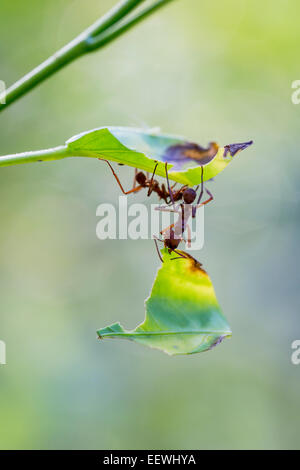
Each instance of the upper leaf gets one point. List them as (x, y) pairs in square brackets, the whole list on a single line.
[(182, 313), (143, 149)]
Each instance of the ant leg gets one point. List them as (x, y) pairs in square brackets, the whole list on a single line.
[(170, 190), (134, 189), (134, 178), (189, 234), (164, 194), (166, 209), (158, 239), (202, 186), (200, 195), (207, 200), (167, 228), (180, 255), (151, 182), (195, 208), (157, 249), (210, 197)]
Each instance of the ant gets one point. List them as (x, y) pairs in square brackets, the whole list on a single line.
[(173, 235), (153, 185)]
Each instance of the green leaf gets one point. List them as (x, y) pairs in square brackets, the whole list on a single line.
[(182, 313), (143, 149)]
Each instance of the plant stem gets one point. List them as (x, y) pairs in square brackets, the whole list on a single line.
[(96, 36), (56, 153), (116, 14), (112, 33), (68, 53)]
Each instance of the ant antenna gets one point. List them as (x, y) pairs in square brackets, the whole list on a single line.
[(151, 182), (202, 186), (181, 256), (201, 193), (134, 189), (169, 189), (157, 249)]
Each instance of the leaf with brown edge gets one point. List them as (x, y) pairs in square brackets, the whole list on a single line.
[(182, 312), (144, 149), (140, 149)]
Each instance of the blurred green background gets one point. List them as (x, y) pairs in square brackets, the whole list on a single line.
[(209, 70)]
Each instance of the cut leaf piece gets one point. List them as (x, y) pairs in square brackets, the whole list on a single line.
[(143, 149), (182, 313), (140, 149)]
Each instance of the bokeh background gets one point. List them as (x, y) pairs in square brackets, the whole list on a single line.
[(209, 70)]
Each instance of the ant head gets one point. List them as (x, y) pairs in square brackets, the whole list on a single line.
[(189, 195), (141, 178), (172, 243)]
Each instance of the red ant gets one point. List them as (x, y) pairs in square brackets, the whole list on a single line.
[(173, 235), (187, 209), (153, 185)]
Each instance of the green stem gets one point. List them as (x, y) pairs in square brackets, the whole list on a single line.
[(56, 153), (116, 14), (96, 36), (112, 33)]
